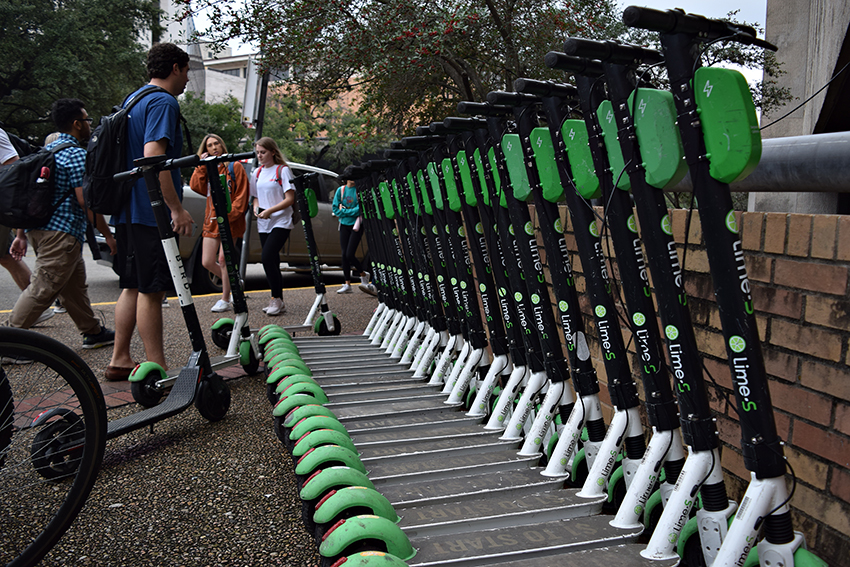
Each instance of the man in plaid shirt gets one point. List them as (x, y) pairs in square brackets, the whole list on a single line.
[(59, 267)]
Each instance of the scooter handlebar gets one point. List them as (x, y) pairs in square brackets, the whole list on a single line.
[(511, 99), (157, 162), (545, 88), (611, 51), (677, 21), (457, 124), (483, 109), (571, 64)]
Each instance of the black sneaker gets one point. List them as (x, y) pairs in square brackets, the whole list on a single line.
[(97, 340)]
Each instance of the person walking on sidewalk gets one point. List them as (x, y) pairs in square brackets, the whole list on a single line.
[(274, 196), (60, 270), (153, 129), (212, 255), (347, 209)]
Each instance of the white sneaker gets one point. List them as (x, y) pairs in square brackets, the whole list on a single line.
[(369, 288), (275, 307), (221, 306), (48, 313), (15, 360), (365, 277), (344, 289)]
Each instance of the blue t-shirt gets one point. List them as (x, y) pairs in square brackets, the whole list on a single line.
[(154, 117)]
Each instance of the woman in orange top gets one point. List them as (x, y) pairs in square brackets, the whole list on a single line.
[(212, 256)]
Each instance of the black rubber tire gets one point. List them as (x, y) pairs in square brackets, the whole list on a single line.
[(323, 328), (213, 398), (693, 557), (221, 336), (58, 447), (145, 391), (56, 381)]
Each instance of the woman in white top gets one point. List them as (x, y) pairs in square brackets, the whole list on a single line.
[(273, 199)]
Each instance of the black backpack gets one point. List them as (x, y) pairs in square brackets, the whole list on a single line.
[(27, 187), (107, 155)]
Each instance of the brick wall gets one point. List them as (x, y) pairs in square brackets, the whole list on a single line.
[(799, 266)]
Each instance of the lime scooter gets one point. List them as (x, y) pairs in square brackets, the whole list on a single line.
[(148, 381), (197, 381), (720, 137)]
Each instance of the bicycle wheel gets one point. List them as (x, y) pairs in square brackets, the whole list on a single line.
[(52, 439)]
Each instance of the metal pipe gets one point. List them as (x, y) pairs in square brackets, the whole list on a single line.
[(819, 163)]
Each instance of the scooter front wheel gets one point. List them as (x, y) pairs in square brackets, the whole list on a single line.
[(220, 332), (213, 398), (321, 328)]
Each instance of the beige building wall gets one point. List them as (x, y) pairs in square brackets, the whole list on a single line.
[(810, 35)]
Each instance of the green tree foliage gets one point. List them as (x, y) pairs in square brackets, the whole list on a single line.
[(328, 132), (412, 60), (222, 118), (86, 49)]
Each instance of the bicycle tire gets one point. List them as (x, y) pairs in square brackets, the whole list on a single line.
[(37, 399)]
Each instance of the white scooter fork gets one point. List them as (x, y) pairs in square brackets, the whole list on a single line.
[(498, 419), (441, 370), (763, 496), (559, 394), (701, 466), (396, 347), (376, 316), (381, 328), (485, 389), (413, 343), (625, 423), (535, 384), (425, 356), (465, 376), (662, 446), (459, 362), (587, 409), (392, 329)]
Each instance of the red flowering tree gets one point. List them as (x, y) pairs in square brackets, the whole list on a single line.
[(411, 61)]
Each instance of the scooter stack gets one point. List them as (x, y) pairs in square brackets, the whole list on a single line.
[(464, 427)]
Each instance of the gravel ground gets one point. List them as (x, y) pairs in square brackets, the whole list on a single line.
[(195, 493)]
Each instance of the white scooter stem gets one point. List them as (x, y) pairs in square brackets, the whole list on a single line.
[(498, 419), (513, 430), (625, 423), (485, 390), (467, 372)]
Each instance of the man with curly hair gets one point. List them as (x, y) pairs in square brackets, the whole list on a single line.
[(153, 129)]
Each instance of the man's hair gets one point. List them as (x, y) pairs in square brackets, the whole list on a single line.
[(65, 111), (162, 57)]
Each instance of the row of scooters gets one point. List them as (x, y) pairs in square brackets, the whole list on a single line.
[(448, 433)]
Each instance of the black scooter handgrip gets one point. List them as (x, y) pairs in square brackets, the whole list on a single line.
[(240, 157), (457, 124), (611, 51), (379, 164), (125, 176), (438, 128), (423, 130), (570, 64), (511, 99), (399, 154), (420, 141), (483, 109), (182, 162), (677, 21), (544, 88)]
